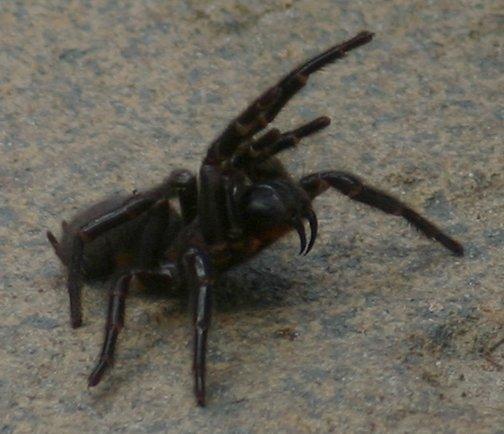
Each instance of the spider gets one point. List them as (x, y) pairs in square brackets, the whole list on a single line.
[(243, 201)]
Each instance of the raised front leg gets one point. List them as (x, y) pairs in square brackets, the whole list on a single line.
[(355, 189), (200, 278), (273, 142), (265, 108)]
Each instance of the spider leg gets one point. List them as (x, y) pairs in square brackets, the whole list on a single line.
[(161, 228), (115, 315), (355, 189), (219, 204), (185, 183), (209, 204), (74, 282), (200, 278), (55, 245), (151, 242), (87, 233), (234, 187), (272, 143), (265, 108)]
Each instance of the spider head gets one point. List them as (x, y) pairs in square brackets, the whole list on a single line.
[(279, 203)]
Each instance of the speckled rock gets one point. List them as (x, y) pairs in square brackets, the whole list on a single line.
[(377, 330)]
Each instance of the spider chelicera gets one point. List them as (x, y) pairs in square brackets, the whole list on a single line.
[(243, 201)]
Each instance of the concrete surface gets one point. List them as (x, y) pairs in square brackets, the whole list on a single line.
[(377, 330)]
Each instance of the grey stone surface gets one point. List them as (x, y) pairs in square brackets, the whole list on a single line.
[(378, 330)]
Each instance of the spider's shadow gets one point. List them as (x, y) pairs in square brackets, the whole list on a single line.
[(251, 288), (245, 288)]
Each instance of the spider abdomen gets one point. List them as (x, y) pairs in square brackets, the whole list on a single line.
[(138, 242)]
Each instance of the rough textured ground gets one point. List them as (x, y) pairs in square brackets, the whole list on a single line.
[(377, 330)]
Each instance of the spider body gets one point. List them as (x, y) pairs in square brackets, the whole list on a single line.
[(242, 201)]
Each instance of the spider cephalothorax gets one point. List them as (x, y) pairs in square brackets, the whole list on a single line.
[(243, 201)]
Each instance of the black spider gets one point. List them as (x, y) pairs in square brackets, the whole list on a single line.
[(245, 200)]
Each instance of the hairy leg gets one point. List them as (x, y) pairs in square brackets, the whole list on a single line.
[(355, 189), (265, 108)]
